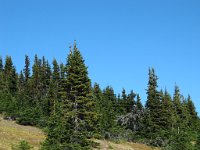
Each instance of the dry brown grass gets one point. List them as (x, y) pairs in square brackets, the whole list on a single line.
[(107, 145), (12, 133)]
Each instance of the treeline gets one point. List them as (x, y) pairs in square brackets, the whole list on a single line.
[(60, 99)]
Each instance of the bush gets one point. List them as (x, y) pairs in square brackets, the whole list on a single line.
[(23, 145)]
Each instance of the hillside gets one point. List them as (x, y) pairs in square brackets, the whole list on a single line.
[(11, 133), (63, 95), (107, 145)]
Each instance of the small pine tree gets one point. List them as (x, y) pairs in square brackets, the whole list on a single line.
[(23, 145), (138, 102), (130, 102)]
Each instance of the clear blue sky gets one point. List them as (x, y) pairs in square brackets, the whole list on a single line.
[(119, 39)]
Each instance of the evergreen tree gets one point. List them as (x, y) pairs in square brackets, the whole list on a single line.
[(123, 102), (98, 98), (25, 93), (178, 108), (97, 93), (35, 80), (153, 105), (78, 116), (52, 98), (138, 102), (2, 80), (62, 71), (10, 76), (56, 71), (192, 111), (54, 87), (1, 64), (130, 102), (124, 96), (167, 117), (21, 83), (21, 89), (27, 68), (45, 75)]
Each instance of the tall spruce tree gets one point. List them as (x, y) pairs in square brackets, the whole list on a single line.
[(78, 112), (27, 68), (177, 108), (52, 94), (2, 81), (10, 76), (153, 105), (35, 80), (1, 64), (98, 98)]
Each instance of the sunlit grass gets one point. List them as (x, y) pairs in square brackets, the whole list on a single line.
[(108, 145), (12, 133)]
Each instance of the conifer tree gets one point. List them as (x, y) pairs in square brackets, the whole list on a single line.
[(1, 64), (177, 108), (98, 98), (10, 76), (35, 81), (78, 105), (21, 82), (138, 102), (109, 109), (2, 81), (130, 102), (167, 117), (153, 105), (122, 103), (62, 71), (25, 94), (124, 96), (191, 110), (27, 68), (45, 75), (21, 97), (56, 71), (52, 99)]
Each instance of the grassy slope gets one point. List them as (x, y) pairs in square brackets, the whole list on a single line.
[(107, 145), (11, 133)]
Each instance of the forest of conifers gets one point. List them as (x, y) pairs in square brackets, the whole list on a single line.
[(60, 99)]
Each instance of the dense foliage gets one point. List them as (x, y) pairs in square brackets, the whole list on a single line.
[(61, 99)]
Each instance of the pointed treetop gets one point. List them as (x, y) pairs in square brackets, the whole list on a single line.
[(1, 64), (75, 45), (70, 49)]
